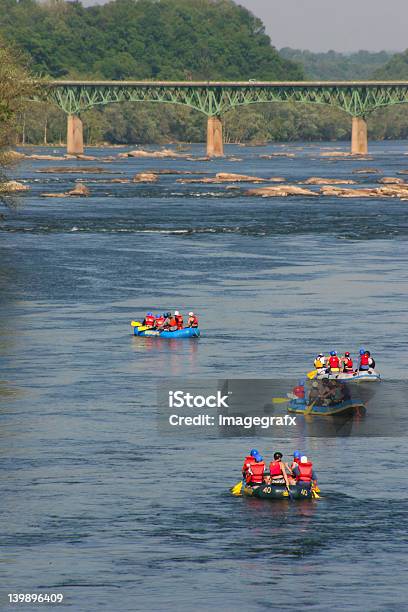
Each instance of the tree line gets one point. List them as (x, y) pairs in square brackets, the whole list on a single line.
[(179, 39)]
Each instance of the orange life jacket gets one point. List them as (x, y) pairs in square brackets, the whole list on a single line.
[(179, 321), (305, 472), (255, 473), (172, 322), (248, 461), (275, 469)]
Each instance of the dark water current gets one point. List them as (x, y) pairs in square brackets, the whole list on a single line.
[(94, 502)]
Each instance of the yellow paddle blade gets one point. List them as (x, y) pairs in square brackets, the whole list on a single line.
[(316, 488), (135, 324), (280, 400), (311, 374), (315, 495), (143, 327), (236, 489)]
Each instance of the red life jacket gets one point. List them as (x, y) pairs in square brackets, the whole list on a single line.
[(275, 468), (149, 320), (364, 360), (193, 321), (255, 473), (334, 362), (299, 391), (172, 323), (248, 461), (305, 472), (348, 363), (160, 321), (179, 321)]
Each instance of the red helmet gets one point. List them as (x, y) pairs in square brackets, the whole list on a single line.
[(347, 354)]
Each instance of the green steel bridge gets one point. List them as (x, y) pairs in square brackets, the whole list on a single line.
[(213, 99)]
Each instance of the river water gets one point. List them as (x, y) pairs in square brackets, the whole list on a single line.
[(99, 505)]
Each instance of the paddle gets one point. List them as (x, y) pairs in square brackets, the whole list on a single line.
[(236, 490), (280, 400), (135, 324), (310, 407), (312, 374), (315, 492)]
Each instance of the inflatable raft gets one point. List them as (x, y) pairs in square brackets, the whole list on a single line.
[(188, 332), (272, 492), (300, 406), (355, 377)]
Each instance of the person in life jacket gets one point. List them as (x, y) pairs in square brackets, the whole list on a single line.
[(179, 319), (299, 390), (304, 473), (320, 361), (192, 320), (255, 472), (149, 320), (277, 470), (249, 460), (371, 360), (170, 323), (364, 364), (334, 362), (160, 319), (347, 363)]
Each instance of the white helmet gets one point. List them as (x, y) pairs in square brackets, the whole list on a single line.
[(191, 314), (303, 459), (176, 312)]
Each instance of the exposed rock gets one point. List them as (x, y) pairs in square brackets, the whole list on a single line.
[(403, 172), (83, 157), (391, 180), (394, 191), (367, 171), (79, 190), (237, 178), (47, 157), (145, 177), (119, 180), (349, 193), (314, 180), (77, 170), (227, 177), (13, 156), (280, 191), (12, 187), (160, 154)]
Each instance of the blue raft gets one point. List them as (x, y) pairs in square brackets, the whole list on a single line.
[(299, 406), (187, 332)]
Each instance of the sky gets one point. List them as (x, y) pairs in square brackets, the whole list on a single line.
[(321, 25), (342, 25)]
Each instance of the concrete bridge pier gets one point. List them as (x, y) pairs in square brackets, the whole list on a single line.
[(215, 145), (75, 135), (359, 141)]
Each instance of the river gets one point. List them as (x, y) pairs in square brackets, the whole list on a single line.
[(97, 503)]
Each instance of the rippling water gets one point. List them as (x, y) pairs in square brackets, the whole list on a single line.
[(95, 503)]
